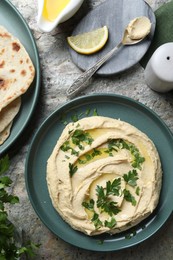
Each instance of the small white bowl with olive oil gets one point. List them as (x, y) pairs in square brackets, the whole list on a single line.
[(53, 12)]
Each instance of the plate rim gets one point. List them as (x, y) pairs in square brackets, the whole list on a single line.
[(37, 77), (36, 135)]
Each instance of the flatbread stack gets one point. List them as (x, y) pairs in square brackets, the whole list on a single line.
[(16, 75)]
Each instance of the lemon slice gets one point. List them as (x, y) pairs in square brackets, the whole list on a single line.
[(89, 42)]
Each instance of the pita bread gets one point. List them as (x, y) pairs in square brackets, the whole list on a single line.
[(16, 68), (5, 133), (8, 113)]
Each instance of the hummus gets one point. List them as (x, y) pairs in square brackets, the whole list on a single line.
[(137, 29), (104, 175)]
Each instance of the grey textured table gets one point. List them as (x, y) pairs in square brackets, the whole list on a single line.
[(58, 73)]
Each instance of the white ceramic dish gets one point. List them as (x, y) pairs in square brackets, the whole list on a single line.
[(47, 26)]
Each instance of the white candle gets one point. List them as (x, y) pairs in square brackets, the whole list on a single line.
[(159, 70)]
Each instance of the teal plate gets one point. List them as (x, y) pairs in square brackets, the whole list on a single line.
[(13, 21), (44, 141)]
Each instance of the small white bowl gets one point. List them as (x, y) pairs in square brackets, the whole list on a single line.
[(47, 26)]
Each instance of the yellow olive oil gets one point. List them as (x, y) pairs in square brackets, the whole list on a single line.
[(52, 8)]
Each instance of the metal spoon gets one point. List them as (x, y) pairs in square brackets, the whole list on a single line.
[(132, 35)]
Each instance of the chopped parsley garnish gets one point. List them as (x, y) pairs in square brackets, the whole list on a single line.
[(81, 136), (95, 112), (89, 156), (108, 206), (77, 116), (110, 224), (63, 119), (66, 147), (138, 161), (130, 235), (129, 197), (111, 147), (115, 144), (74, 118), (72, 169), (77, 138), (113, 188), (137, 191), (88, 112), (131, 178), (88, 205), (96, 221), (104, 202), (96, 152), (100, 242)]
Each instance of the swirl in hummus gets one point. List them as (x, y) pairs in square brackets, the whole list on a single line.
[(104, 175)]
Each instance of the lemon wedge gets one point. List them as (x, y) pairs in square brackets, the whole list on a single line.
[(89, 42)]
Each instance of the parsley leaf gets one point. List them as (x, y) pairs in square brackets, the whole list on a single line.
[(100, 242), (87, 112), (114, 187), (137, 191), (81, 136), (130, 235), (74, 118), (104, 202), (4, 164), (110, 224), (89, 156), (88, 205), (72, 169), (131, 178), (129, 197), (115, 144), (66, 147), (63, 119), (96, 152), (9, 248), (138, 161), (95, 113), (96, 221)]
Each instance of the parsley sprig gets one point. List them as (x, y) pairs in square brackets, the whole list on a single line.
[(104, 202), (131, 177), (89, 205), (77, 116), (66, 147), (72, 169), (115, 144), (96, 221), (79, 136), (110, 224), (89, 156), (129, 197), (8, 245), (113, 188)]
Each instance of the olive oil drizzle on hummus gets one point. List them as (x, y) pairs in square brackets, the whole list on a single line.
[(113, 145), (104, 175), (104, 202)]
